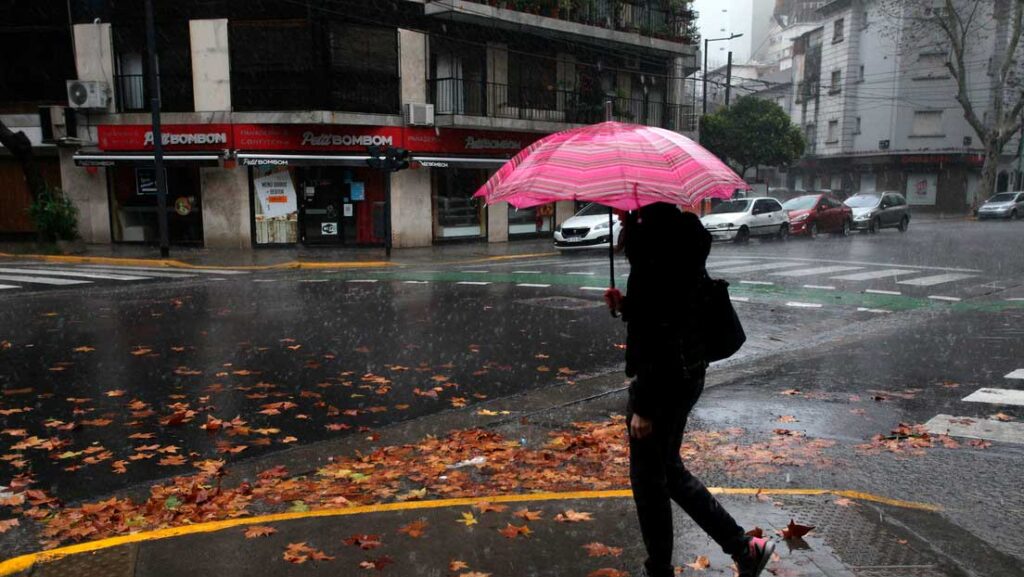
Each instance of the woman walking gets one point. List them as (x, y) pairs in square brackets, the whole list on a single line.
[(667, 250)]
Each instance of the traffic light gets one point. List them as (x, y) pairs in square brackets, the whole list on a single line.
[(389, 158), (376, 159), (399, 158)]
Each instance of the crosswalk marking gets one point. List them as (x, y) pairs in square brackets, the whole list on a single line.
[(985, 429), (801, 305), (820, 287), (582, 273), (417, 282), (867, 310), (759, 267), (875, 274), (526, 272), (530, 285), (936, 279), (816, 271), (164, 268), (362, 280), (757, 282), (944, 298), (997, 397), (882, 292), (594, 288), (148, 273), (73, 274), (473, 283), (1018, 374), (41, 280), (8, 286), (720, 264)]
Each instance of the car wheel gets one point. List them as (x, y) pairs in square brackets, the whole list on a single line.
[(1013, 214), (873, 226), (904, 224), (844, 230), (784, 232), (743, 235), (812, 230)]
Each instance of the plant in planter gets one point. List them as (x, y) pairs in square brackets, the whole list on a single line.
[(54, 216)]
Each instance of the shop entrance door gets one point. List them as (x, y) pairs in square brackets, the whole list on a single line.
[(321, 215)]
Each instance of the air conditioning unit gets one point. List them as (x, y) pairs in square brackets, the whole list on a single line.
[(419, 114), (883, 145), (88, 94)]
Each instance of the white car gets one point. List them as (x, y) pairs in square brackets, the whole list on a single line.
[(588, 228), (1003, 205), (741, 219)]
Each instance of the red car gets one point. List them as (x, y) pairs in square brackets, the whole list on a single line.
[(812, 214)]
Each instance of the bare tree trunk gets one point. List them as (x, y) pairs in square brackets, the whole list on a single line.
[(21, 147), (989, 171)]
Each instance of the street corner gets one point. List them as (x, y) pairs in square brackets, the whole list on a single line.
[(592, 534)]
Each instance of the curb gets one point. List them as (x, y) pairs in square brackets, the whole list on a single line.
[(171, 263)]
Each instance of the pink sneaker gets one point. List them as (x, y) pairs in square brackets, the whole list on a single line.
[(752, 561)]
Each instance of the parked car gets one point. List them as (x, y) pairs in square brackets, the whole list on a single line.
[(588, 228), (814, 213), (741, 219), (1003, 205), (873, 211)]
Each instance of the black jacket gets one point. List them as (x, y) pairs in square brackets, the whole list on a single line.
[(667, 251)]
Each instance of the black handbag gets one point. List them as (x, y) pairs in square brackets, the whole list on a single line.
[(722, 331)]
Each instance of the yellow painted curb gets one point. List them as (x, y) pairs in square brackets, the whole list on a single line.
[(504, 257), (26, 562), (170, 263)]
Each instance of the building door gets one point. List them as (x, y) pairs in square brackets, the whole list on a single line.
[(321, 214)]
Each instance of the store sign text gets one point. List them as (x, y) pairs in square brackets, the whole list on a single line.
[(473, 143), (264, 162), (188, 139), (313, 139)]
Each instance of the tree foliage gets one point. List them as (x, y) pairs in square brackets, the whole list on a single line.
[(753, 132)]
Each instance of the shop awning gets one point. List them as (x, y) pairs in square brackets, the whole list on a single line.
[(274, 159), (459, 161), (100, 158)]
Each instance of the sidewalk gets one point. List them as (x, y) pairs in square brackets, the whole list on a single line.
[(291, 257)]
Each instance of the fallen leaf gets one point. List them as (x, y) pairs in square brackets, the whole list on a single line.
[(379, 563), (701, 563), (794, 531), (138, 352), (7, 524), (602, 550), (364, 542), (790, 392), (119, 467), (844, 502), (172, 461), (468, 519), (487, 507), (1002, 417), (84, 349), (527, 515), (787, 419), (259, 531), (512, 531), (414, 529), (457, 565), (571, 516), (607, 572)]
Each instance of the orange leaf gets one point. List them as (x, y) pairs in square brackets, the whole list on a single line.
[(7, 524), (119, 467), (486, 507), (700, 563), (414, 529), (602, 550), (787, 419), (365, 542), (527, 515), (844, 502), (511, 531), (259, 531), (571, 516), (171, 461), (475, 574), (457, 565), (379, 563), (794, 531), (607, 572)]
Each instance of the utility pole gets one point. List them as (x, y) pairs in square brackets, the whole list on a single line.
[(388, 160), (704, 108), (158, 143), (728, 79)]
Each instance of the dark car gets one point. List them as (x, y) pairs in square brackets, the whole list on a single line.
[(873, 211), (815, 213)]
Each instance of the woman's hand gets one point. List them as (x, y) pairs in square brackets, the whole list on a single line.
[(640, 427), (613, 298)]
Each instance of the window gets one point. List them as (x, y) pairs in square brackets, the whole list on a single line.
[(837, 82), (833, 131), (927, 123), (532, 80), (856, 129), (931, 65), (837, 31), (860, 73)]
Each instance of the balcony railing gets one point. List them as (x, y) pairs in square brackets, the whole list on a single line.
[(646, 17), (456, 96), (133, 93)]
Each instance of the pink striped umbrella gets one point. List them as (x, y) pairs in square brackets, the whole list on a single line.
[(624, 166)]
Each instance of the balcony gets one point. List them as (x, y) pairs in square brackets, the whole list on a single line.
[(455, 97), (639, 23), (132, 91)]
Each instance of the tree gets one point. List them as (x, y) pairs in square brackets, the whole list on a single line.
[(982, 39), (21, 148), (752, 132)]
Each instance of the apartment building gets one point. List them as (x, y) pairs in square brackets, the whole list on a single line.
[(269, 107)]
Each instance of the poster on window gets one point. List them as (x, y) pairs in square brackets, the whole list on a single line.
[(921, 188), (276, 194)]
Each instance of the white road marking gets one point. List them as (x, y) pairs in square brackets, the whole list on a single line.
[(8, 286), (577, 273), (801, 305), (1018, 374), (817, 270), (164, 268), (526, 272), (41, 280), (943, 298), (1015, 299), (875, 274), (148, 273), (416, 282), (985, 429), (825, 260), (529, 285), (265, 280), (820, 287), (757, 282), (52, 272), (997, 397), (759, 267), (594, 288), (303, 280), (882, 292), (936, 279), (473, 282), (739, 299), (720, 264), (362, 280), (475, 271), (867, 310)]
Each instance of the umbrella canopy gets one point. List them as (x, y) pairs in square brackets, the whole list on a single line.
[(624, 166)]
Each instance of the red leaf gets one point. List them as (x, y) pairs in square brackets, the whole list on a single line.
[(794, 531)]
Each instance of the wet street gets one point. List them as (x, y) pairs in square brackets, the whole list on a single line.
[(116, 377)]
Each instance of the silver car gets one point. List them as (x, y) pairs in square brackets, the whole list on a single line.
[(1003, 205), (873, 211)]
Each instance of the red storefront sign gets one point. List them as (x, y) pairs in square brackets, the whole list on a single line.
[(176, 137), (468, 142), (322, 137)]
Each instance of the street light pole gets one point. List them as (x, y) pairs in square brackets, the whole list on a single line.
[(728, 80), (158, 143), (704, 108)]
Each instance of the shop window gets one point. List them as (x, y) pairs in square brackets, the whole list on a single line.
[(275, 206), (457, 215), (531, 221), (133, 205)]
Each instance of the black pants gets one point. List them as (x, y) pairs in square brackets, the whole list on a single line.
[(657, 474)]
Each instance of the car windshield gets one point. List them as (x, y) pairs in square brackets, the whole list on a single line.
[(732, 206), (862, 201), (800, 202), (1003, 197), (593, 209)]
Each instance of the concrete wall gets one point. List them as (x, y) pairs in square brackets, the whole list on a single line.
[(94, 56), (497, 222), (226, 208), (211, 65), (87, 189), (411, 222), (413, 51)]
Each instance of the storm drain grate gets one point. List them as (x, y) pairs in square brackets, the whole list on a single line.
[(112, 562)]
